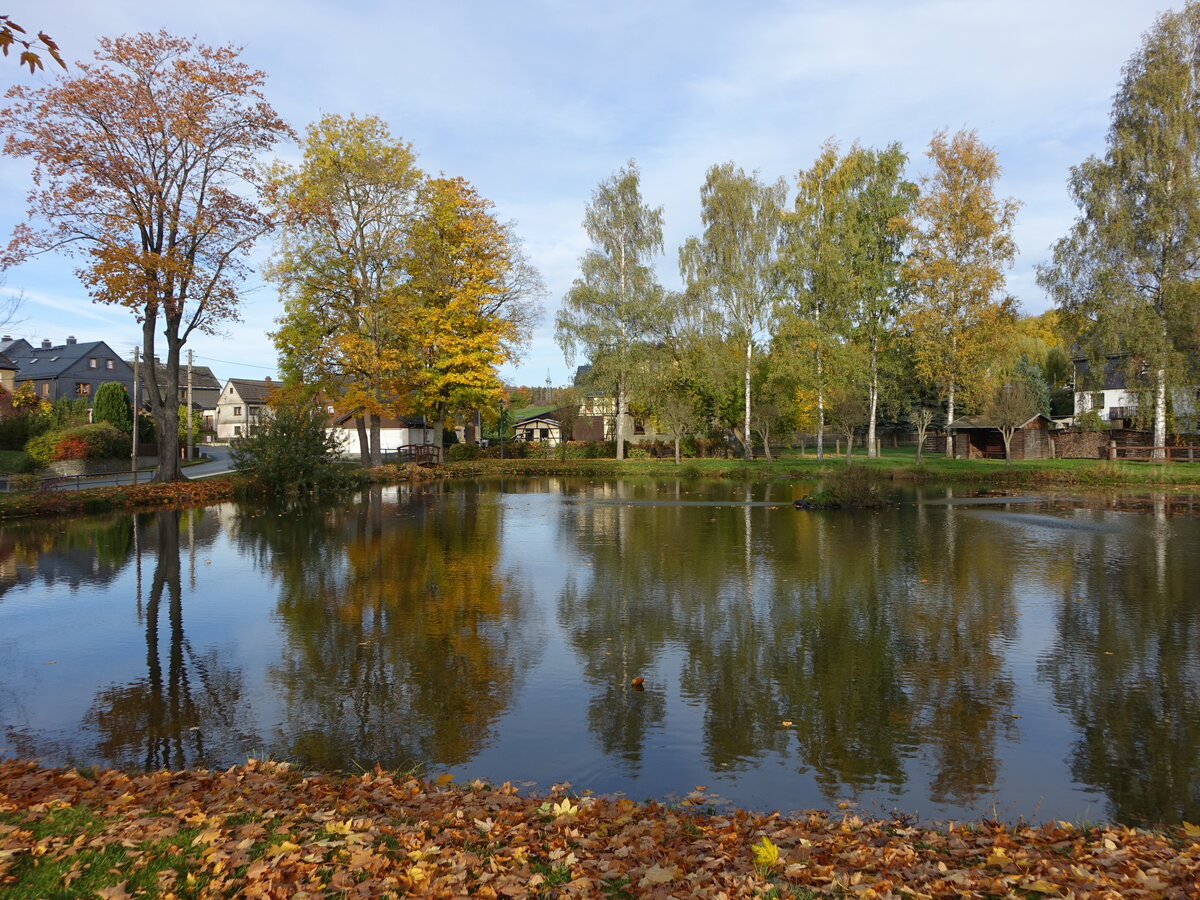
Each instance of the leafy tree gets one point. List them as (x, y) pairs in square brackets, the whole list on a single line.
[(141, 167), (347, 215), (1126, 275), (112, 405), (816, 269), (69, 412), (472, 299), (962, 242), (615, 305), (729, 269), (292, 453), (884, 201), (841, 259), (1010, 407), (195, 422)]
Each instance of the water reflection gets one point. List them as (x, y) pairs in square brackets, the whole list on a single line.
[(402, 642), (1126, 669), (942, 656)]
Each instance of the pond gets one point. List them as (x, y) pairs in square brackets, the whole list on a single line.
[(951, 658)]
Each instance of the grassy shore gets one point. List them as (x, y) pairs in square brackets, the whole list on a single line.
[(267, 830), (892, 465), (1063, 473)]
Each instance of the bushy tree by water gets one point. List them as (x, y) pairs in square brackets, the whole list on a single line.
[(112, 405), (292, 454)]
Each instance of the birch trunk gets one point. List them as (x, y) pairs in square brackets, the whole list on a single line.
[(747, 445)]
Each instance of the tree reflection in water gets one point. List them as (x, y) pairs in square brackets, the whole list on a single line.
[(1126, 669), (173, 716), (844, 640), (403, 643)]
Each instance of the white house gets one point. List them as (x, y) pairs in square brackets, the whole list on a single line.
[(394, 433), (241, 407)]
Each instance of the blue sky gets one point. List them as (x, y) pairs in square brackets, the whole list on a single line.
[(536, 102)]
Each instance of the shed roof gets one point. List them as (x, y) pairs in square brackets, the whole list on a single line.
[(966, 423)]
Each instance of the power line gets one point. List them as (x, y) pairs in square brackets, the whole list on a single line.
[(231, 363)]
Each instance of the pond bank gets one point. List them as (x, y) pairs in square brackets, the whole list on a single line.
[(268, 830)]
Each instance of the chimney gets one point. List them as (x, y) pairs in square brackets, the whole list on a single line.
[(268, 380), (7, 337), (45, 344), (70, 339)]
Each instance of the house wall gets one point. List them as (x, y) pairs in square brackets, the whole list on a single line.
[(389, 438), (235, 418)]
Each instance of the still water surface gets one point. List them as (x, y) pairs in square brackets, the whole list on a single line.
[(950, 658)]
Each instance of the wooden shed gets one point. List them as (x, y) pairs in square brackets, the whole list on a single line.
[(976, 438)]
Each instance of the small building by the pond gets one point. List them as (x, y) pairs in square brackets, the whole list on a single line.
[(977, 438)]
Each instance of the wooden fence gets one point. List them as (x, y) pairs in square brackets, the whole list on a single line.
[(1154, 454)]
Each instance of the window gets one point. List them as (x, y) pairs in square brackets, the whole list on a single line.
[(544, 433), (639, 427), (45, 389), (108, 364), (251, 412), (237, 430), (92, 363), (237, 410), (83, 389)]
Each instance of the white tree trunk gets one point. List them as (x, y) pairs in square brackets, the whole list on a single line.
[(949, 419), (748, 441), (1160, 414), (619, 426), (872, 452)]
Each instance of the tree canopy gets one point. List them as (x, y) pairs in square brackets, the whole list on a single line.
[(145, 168)]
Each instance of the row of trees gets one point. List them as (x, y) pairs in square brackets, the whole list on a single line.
[(402, 292), (868, 289), (793, 316)]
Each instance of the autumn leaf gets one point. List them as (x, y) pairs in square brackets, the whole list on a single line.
[(657, 874), (766, 854)]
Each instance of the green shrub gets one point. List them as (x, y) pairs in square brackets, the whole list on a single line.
[(461, 452), (112, 405), (98, 441), (70, 412), (291, 454), (14, 462)]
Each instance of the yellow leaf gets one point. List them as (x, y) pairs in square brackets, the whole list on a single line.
[(1042, 887), (1191, 830), (282, 848), (657, 874), (998, 857), (765, 852), (444, 779)]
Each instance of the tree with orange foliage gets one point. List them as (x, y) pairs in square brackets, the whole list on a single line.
[(143, 163)]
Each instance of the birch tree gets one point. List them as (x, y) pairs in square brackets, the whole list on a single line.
[(962, 242), (615, 303), (1126, 275), (729, 268), (146, 168)]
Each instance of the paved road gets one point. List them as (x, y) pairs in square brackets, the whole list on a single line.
[(219, 462)]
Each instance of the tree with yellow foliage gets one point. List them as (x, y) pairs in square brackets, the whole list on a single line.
[(472, 300), (961, 243), (347, 213)]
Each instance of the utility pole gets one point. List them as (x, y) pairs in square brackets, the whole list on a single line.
[(134, 454), (191, 443)]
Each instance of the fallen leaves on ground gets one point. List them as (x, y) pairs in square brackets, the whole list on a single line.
[(266, 830)]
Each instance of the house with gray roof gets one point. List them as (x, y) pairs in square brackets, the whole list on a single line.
[(241, 406), (71, 369)]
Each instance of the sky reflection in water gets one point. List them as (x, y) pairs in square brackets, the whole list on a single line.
[(948, 659)]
